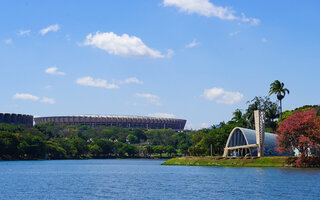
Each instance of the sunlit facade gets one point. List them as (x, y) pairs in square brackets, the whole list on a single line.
[(117, 121)]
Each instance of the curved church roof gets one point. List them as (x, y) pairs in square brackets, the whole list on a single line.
[(243, 136)]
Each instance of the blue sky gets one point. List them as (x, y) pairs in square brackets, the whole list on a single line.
[(192, 59)]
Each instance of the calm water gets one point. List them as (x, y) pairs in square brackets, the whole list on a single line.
[(147, 179)]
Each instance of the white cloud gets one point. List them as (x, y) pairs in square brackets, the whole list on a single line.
[(204, 125), (219, 95), (264, 40), (47, 87), (208, 9), (234, 33), (89, 81), (131, 80), (202, 7), (192, 44), (250, 20), (47, 100), (196, 125), (8, 41), (53, 28), (124, 45), (162, 115), (54, 71), (24, 32), (154, 99), (25, 96), (170, 53)]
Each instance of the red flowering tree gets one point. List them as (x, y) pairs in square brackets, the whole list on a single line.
[(300, 131)]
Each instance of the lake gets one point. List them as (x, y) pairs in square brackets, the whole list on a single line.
[(148, 179)]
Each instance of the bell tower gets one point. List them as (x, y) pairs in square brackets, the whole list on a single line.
[(259, 121)]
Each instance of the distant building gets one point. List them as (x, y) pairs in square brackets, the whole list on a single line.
[(16, 119), (117, 121)]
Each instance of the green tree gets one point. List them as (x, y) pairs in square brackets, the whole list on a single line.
[(11, 128), (278, 89), (33, 146), (67, 144), (170, 150), (95, 149), (118, 148), (131, 150), (50, 129), (55, 150), (158, 149), (197, 150), (149, 149), (81, 145), (132, 139), (160, 136), (140, 134), (105, 145), (239, 118), (262, 103), (8, 143)]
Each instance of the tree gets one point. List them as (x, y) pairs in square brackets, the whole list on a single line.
[(140, 134), (81, 145), (95, 149), (300, 131), (287, 113), (67, 144), (277, 88), (149, 149), (158, 149), (50, 129), (132, 139), (197, 150), (55, 150), (11, 128), (119, 149), (105, 145), (262, 103), (8, 143), (170, 150), (239, 117), (33, 146), (131, 150)]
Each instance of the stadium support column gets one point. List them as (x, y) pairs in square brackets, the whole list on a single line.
[(259, 120)]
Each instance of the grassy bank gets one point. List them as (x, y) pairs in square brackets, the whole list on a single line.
[(230, 162)]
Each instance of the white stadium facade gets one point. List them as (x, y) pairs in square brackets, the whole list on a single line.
[(116, 121)]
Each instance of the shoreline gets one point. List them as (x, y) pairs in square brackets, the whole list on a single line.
[(94, 158), (231, 162)]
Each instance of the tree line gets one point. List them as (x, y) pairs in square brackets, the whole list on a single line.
[(52, 141)]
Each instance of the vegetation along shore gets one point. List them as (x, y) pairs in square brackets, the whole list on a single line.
[(280, 161), (53, 141)]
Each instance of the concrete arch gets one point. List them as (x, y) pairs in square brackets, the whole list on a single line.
[(249, 145)]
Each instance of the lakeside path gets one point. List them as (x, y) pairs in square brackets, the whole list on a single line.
[(230, 162)]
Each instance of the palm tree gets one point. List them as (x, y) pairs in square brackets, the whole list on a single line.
[(238, 116), (277, 88)]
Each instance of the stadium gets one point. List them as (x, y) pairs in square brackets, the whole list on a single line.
[(16, 119), (117, 121)]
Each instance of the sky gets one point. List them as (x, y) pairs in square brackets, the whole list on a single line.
[(197, 60)]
